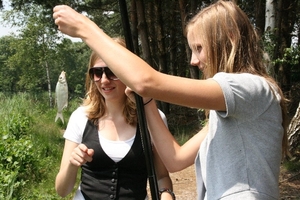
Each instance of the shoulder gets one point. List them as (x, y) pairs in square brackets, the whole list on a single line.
[(238, 77), (76, 125), (242, 83), (245, 93), (80, 113)]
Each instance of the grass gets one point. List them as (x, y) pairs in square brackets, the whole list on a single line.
[(28, 119), (292, 165)]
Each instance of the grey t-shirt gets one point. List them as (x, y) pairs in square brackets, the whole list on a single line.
[(240, 156)]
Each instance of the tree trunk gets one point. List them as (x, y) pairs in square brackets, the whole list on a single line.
[(49, 85), (172, 42), (159, 35), (269, 30), (270, 16), (260, 16), (150, 16), (194, 73), (277, 41), (134, 25), (160, 42), (287, 27), (294, 132), (143, 33)]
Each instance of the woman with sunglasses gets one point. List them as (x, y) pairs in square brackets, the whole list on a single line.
[(103, 138)]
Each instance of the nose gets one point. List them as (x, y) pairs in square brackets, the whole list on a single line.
[(194, 60), (104, 78)]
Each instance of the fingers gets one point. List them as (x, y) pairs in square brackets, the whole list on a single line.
[(90, 152), (130, 94), (56, 10), (70, 22), (56, 15), (64, 17), (58, 7), (81, 154)]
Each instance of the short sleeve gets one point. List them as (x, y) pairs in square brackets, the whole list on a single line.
[(245, 94), (76, 125), (163, 117)]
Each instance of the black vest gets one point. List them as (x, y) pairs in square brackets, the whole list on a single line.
[(105, 179)]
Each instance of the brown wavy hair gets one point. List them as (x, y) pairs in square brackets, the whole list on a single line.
[(232, 45), (95, 102)]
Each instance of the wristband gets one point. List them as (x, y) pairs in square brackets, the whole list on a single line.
[(168, 191), (148, 101)]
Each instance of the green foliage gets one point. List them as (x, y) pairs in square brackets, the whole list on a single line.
[(23, 68), (30, 148), (16, 149), (292, 166), (291, 57), (184, 123), (26, 58)]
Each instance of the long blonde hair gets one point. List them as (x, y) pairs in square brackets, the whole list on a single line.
[(95, 102), (233, 46)]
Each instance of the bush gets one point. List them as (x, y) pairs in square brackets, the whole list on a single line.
[(17, 156), (30, 149)]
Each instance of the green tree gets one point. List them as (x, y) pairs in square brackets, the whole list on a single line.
[(39, 54), (8, 75), (72, 58), (33, 48)]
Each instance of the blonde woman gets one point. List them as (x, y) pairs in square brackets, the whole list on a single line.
[(103, 139)]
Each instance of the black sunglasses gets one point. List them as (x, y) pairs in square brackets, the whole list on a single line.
[(97, 72)]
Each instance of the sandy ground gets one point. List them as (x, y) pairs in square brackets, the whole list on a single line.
[(184, 184)]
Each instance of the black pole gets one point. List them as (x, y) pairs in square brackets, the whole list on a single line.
[(146, 141)]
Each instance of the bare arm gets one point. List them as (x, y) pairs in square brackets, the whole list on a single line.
[(174, 156), (74, 156), (163, 178), (136, 73)]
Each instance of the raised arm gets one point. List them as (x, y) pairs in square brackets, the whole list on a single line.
[(136, 73)]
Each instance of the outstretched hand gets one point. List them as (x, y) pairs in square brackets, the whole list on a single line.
[(69, 21), (81, 154)]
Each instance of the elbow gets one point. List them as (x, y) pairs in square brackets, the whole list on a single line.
[(61, 193), (175, 168), (63, 190), (172, 169), (141, 90), (143, 86)]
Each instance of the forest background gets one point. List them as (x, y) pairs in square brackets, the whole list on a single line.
[(32, 58)]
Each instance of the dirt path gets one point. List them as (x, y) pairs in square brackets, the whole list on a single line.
[(184, 184)]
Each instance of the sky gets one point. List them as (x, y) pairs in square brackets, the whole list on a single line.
[(7, 30)]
